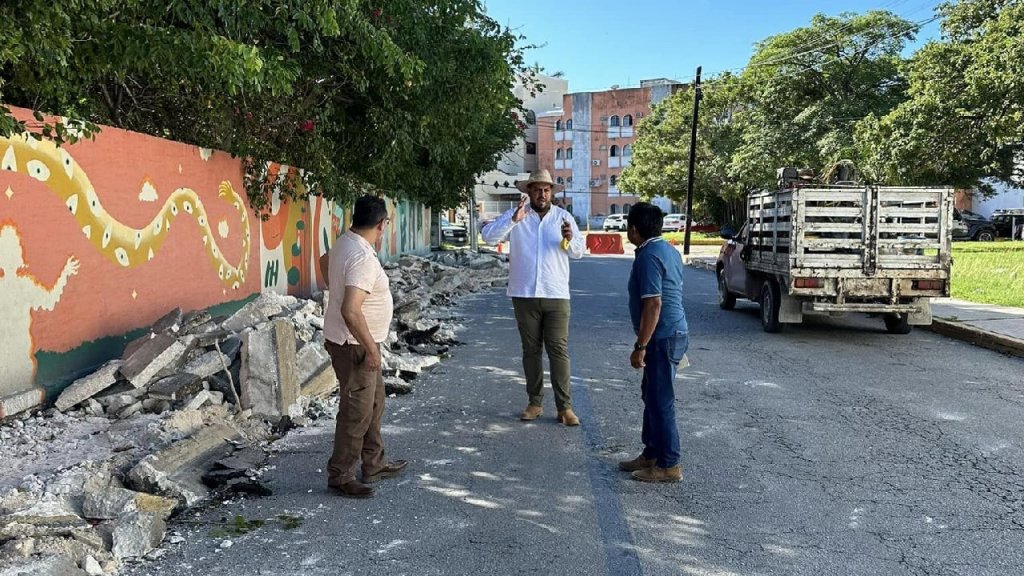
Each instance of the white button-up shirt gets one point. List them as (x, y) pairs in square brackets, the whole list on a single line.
[(538, 266)]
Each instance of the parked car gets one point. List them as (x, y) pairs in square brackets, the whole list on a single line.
[(1003, 221), (614, 222), (673, 223), (453, 233), (970, 226)]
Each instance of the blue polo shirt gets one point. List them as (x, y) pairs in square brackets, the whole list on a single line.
[(658, 271)]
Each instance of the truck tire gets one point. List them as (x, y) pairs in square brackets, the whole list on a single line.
[(985, 236), (770, 301), (726, 300), (897, 324)]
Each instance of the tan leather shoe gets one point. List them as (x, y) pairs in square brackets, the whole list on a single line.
[(390, 470), (353, 489), (568, 417), (638, 463), (531, 413), (655, 474)]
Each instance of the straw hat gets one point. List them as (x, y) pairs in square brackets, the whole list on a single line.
[(538, 177)]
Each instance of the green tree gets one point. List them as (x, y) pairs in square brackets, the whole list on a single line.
[(412, 97), (660, 163), (964, 119), (804, 91)]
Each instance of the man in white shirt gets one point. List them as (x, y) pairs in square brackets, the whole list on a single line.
[(543, 238), (356, 320)]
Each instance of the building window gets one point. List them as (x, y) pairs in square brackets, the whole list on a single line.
[(625, 208), (558, 125), (614, 180), (568, 124), (558, 154), (614, 208), (627, 120), (569, 180), (568, 153), (568, 208), (613, 121), (531, 117), (627, 150), (560, 180), (614, 151), (531, 147)]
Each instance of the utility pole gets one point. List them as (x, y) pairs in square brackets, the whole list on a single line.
[(693, 161)]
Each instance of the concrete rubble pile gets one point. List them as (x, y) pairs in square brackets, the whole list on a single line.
[(189, 408)]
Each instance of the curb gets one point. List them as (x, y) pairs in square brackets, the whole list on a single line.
[(977, 336), (957, 330)]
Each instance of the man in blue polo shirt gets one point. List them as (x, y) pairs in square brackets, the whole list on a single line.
[(656, 309)]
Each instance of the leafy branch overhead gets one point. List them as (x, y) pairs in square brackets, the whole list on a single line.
[(408, 96)]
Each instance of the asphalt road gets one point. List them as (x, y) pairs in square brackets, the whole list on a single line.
[(831, 448)]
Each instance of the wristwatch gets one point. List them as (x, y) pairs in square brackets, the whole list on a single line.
[(638, 346)]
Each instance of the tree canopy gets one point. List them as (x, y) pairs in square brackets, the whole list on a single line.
[(408, 96), (840, 89)]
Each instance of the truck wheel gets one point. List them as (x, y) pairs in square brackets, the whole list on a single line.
[(726, 301), (897, 324), (984, 236), (770, 300)]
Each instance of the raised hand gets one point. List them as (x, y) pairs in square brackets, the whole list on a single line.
[(520, 212)]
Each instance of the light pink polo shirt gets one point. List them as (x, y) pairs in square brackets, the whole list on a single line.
[(353, 262)]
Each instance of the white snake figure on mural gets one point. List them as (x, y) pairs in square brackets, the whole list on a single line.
[(123, 245)]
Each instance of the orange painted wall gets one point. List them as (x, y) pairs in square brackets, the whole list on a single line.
[(135, 226)]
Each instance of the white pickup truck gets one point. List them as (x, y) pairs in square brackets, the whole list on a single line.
[(838, 249)]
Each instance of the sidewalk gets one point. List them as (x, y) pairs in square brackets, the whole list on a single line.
[(998, 328)]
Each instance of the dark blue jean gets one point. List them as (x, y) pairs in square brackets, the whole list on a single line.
[(660, 434)]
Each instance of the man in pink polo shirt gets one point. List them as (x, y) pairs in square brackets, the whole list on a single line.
[(357, 319)]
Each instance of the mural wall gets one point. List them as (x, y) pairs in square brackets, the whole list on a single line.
[(100, 239)]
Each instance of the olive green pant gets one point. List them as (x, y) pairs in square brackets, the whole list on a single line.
[(544, 323)]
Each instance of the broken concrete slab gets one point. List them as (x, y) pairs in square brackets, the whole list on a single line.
[(193, 319), (175, 470), (87, 387), (314, 371), (177, 387), (108, 503), (43, 566), (198, 401), (136, 533), (154, 355), (170, 323), (207, 364), (258, 311), (268, 381)]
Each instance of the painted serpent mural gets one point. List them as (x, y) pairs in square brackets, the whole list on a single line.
[(124, 245)]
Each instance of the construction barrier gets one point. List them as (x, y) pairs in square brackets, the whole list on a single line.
[(604, 243)]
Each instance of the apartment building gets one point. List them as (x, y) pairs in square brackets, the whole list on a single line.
[(588, 142), (495, 191)]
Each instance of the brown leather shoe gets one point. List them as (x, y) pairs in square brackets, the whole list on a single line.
[(353, 489), (655, 474), (390, 470), (531, 413), (568, 417), (638, 463)]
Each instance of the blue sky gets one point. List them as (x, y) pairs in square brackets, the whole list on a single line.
[(598, 43)]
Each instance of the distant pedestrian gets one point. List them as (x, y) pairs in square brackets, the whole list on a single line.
[(356, 320), (543, 237), (656, 309)]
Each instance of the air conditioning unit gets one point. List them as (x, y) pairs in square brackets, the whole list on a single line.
[(639, 114), (595, 162), (595, 183), (604, 118)]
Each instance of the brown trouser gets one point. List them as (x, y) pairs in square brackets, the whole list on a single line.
[(360, 409), (544, 323)]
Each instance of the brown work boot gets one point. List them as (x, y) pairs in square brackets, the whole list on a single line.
[(568, 417), (638, 463), (655, 474), (390, 470), (531, 413), (353, 489)]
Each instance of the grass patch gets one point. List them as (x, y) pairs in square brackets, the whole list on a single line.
[(696, 238), (989, 272)]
